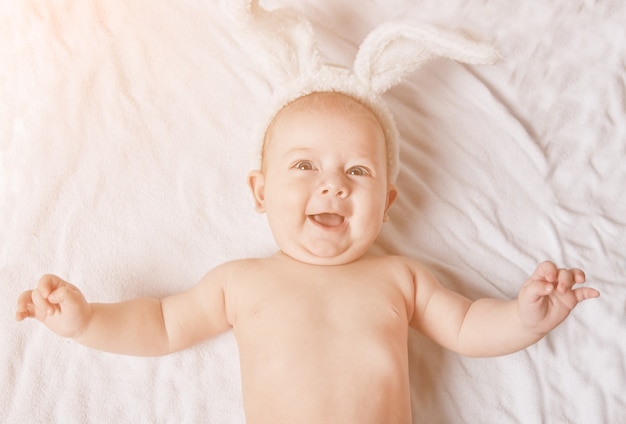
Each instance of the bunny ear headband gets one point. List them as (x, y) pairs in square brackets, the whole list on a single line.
[(283, 43)]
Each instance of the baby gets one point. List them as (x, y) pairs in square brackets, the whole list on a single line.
[(321, 325)]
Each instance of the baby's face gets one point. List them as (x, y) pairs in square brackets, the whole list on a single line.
[(324, 181)]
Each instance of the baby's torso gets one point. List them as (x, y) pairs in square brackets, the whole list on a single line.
[(323, 344)]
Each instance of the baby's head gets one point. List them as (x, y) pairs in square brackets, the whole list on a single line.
[(343, 103), (325, 180), (370, 106)]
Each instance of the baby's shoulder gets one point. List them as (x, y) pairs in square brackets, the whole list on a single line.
[(404, 270), (238, 267), (396, 262), (247, 269)]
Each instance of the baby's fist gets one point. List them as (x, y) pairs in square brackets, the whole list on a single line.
[(57, 304)]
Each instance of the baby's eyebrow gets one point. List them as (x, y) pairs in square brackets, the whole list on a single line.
[(297, 151)]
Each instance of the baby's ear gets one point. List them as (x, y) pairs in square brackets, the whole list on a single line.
[(256, 182), (392, 194)]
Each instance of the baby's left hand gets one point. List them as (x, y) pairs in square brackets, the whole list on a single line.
[(548, 296)]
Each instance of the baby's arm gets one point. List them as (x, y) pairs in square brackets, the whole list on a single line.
[(491, 327), (144, 326)]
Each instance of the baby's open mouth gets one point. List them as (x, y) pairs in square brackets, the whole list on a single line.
[(327, 219)]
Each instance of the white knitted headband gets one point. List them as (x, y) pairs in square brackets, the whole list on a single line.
[(282, 42)]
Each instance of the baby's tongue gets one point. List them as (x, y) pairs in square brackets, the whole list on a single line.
[(328, 219)]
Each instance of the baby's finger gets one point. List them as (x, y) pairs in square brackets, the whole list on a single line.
[(24, 306), (579, 275), (63, 293), (584, 293), (48, 283), (568, 277), (24, 299), (535, 290), (565, 280), (42, 306), (22, 314), (545, 271)]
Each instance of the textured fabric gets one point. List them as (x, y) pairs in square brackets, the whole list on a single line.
[(126, 136)]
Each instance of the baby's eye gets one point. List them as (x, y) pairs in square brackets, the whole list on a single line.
[(304, 165), (359, 171)]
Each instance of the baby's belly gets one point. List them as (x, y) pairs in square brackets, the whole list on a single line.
[(325, 375)]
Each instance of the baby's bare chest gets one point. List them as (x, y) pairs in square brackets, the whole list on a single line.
[(328, 302), (331, 335)]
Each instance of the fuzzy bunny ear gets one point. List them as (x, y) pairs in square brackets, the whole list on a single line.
[(281, 40), (392, 51)]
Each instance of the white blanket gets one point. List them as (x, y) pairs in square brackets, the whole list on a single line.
[(124, 147)]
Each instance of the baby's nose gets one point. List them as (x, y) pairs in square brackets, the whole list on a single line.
[(335, 187), (333, 191)]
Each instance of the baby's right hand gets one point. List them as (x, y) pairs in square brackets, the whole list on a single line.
[(56, 303)]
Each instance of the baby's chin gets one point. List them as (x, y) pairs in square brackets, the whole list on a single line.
[(324, 258)]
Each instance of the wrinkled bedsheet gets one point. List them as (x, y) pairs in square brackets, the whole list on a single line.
[(125, 141)]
